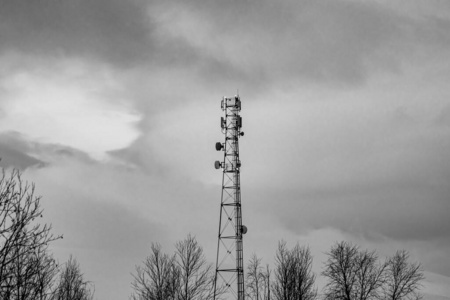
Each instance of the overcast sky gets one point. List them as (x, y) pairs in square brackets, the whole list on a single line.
[(112, 108)]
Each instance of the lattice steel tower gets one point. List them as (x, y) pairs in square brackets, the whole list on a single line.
[(229, 279)]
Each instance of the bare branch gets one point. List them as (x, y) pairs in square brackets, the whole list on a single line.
[(26, 269), (195, 274), (293, 276), (403, 278)]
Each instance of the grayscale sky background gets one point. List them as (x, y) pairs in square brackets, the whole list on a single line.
[(112, 108)]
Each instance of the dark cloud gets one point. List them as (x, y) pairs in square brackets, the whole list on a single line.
[(293, 41), (120, 33), (400, 192), (17, 151), (374, 212), (395, 189), (257, 42), (113, 31), (251, 44), (14, 152)]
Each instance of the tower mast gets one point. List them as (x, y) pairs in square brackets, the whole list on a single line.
[(229, 278)]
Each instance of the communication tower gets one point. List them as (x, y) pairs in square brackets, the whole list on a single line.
[(229, 278)]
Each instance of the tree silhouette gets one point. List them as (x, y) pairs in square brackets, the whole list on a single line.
[(341, 271), (258, 284), (403, 278), (196, 280), (158, 278), (370, 275), (294, 278), (355, 274), (26, 268), (71, 284), (186, 275), (255, 279)]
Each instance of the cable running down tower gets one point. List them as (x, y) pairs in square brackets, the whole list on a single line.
[(229, 278)]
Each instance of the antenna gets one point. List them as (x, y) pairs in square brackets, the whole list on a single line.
[(229, 278)]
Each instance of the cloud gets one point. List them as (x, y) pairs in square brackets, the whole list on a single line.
[(70, 103), (22, 152), (252, 43), (15, 152), (290, 42), (335, 42), (113, 31), (394, 183), (374, 212)]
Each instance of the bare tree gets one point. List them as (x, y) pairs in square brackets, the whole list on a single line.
[(403, 278), (341, 271), (294, 278), (158, 278), (255, 279), (196, 280), (370, 275), (355, 274), (23, 242), (45, 279), (71, 284), (281, 287), (33, 275), (258, 284)]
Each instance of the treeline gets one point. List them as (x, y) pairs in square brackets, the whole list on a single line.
[(351, 273), (27, 268)]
